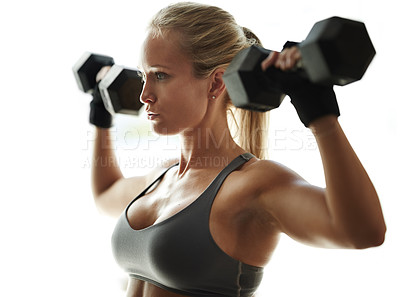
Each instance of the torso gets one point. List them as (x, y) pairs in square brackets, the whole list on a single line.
[(138, 288), (237, 224)]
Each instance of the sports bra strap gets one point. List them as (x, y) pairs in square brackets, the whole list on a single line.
[(241, 159), (156, 180)]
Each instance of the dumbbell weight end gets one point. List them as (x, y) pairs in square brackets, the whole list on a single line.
[(337, 51), (121, 89), (86, 69)]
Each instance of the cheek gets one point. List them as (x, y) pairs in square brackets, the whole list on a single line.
[(190, 100), (183, 104), (189, 112)]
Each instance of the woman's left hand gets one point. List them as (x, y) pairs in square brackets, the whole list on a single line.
[(285, 60), (310, 100)]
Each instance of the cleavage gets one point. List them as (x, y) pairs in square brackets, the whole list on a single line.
[(165, 199)]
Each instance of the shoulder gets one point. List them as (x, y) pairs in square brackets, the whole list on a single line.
[(257, 176), (267, 174), (259, 184)]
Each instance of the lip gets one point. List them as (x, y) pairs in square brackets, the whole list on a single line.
[(151, 115)]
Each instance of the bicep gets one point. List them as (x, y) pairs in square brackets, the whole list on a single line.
[(114, 200), (302, 212)]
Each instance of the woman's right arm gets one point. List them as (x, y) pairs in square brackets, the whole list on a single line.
[(111, 190)]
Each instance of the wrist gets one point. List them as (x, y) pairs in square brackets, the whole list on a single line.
[(324, 126), (313, 102), (99, 115)]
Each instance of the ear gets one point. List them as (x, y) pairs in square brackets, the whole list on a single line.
[(217, 84)]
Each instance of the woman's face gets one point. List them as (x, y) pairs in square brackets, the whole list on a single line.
[(175, 100)]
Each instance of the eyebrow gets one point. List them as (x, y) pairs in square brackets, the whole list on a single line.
[(154, 66), (159, 66)]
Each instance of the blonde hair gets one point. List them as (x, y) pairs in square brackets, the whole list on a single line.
[(212, 38)]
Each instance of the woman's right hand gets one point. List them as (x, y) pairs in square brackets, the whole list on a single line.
[(99, 115), (102, 73)]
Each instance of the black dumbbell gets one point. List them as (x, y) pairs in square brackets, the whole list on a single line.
[(120, 88), (337, 51)]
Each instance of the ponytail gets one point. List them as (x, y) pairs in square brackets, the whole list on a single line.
[(250, 128)]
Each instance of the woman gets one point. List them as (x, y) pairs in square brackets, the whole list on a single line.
[(207, 224)]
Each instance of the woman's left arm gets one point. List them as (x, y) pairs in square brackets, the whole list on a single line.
[(345, 214), (350, 196)]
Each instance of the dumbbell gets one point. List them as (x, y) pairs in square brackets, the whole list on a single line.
[(336, 51), (120, 88)]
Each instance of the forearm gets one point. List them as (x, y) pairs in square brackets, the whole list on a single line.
[(105, 168), (351, 197)]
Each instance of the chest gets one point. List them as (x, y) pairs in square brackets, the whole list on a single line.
[(165, 199), (180, 253), (229, 221)]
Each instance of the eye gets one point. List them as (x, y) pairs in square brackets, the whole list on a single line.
[(161, 75)]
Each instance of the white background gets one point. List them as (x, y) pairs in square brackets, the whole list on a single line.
[(53, 241)]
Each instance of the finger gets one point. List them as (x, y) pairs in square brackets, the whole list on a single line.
[(288, 59), (283, 61), (102, 73), (270, 60), (297, 55), (294, 57)]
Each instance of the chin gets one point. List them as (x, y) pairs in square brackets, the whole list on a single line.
[(164, 131)]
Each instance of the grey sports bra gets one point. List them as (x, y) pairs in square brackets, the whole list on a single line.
[(179, 253)]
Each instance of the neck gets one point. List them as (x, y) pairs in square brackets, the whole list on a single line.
[(207, 148)]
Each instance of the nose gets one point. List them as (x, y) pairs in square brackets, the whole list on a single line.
[(147, 97)]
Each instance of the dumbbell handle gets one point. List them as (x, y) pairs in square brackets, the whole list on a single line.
[(277, 79), (300, 69), (273, 80)]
